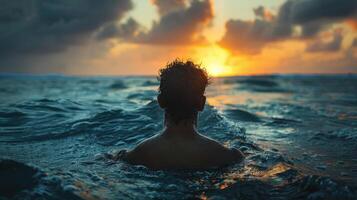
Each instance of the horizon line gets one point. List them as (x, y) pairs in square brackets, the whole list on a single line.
[(154, 75)]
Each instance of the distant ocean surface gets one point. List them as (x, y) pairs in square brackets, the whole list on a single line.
[(299, 134)]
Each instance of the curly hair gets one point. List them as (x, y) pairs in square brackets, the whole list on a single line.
[(182, 84)]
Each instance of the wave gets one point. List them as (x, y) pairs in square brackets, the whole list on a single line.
[(242, 115), (39, 119), (150, 83), (12, 118), (143, 95), (7, 90), (118, 84), (347, 134), (120, 126), (308, 187), (51, 105), (213, 123), (258, 82), (273, 90), (90, 81), (274, 121), (22, 181), (50, 119), (152, 110)]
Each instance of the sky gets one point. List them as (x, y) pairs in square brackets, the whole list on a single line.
[(138, 37)]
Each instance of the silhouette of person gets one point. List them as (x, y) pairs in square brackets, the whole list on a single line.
[(179, 145)]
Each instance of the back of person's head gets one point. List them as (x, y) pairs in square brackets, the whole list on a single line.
[(182, 87)]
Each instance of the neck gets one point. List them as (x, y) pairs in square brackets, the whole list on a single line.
[(183, 128)]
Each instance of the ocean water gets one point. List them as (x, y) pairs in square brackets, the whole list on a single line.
[(299, 134)]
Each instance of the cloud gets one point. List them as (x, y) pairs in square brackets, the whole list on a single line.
[(333, 45), (315, 15), (352, 23), (123, 31), (180, 25), (37, 34), (354, 43), (168, 6), (312, 16), (304, 11), (263, 13), (247, 37), (31, 27)]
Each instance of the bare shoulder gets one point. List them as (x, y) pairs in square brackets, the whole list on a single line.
[(237, 155), (222, 152), (212, 144), (139, 154)]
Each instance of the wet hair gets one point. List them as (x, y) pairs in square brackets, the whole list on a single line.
[(182, 85)]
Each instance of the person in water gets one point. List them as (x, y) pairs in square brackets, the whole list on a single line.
[(180, 145)]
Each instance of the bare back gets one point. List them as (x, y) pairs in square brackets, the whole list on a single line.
[(172, 152)]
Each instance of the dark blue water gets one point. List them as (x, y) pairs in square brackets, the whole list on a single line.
[(299, 134)]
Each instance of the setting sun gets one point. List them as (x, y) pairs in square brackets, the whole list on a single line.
[(215, 70), (214, 59)]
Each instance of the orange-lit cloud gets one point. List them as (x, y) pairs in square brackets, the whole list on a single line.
[(352, 23), (250, 37), (180, 27), (180, 24), (291, 57), (333, 44)]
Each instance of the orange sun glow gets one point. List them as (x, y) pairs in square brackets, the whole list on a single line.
[(214, 58)]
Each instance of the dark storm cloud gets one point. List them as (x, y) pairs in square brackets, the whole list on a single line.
[(333, 45), (310, 10), (123, 31), (39, 27), (313, 16), (181, 26), (312, 28)]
